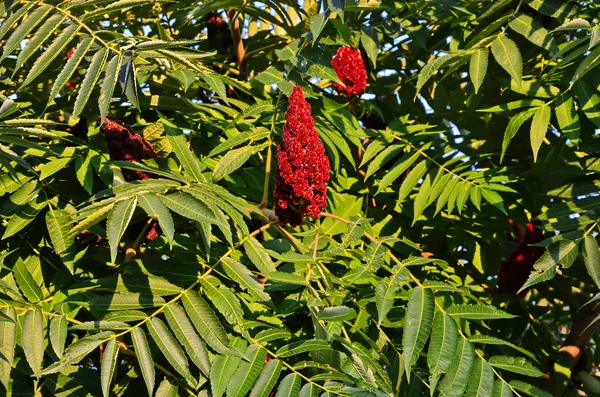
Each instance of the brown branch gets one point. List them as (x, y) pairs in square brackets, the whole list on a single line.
[(240, 52), (579, 336)]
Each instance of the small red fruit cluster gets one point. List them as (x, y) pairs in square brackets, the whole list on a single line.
[(217, 30), (512, 274), (302, 166), (350, 69), (126, 145)]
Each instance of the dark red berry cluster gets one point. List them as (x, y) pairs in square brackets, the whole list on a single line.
[(302, 166), (217, 30), (126, 145), (350, 69), (514, 272)]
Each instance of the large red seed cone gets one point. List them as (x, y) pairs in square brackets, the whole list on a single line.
[(302, 166)]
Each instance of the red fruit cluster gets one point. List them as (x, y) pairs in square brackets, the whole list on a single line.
[(302, 166), (217, 30), (350, 69), (513, 273), (126, 145)]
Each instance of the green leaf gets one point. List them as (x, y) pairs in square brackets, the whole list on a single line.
[(185, 156), (23, 217), (223, 368), (533, 31), (247, 372), (397, 169), (493, 198), (71, 66), (111, 75), (501, 389), (58, 334), (539, 126), (303, 346), (89, 81), (528, 389), (223, 299), (309, 390), (8, 340), (26, 26), (455, 382), (337, 313), (421, 200), (216, 84), (568, 119), (553, 8), (370, 42), (574, 24), (520, 103), (255, 134), (128, 81), (53, 50), (562, 252), (58, 223), (259, 256), (205, 322), (52, 167), (167, 389), (125, 301), (517, 365), (26, 283), (412, 179), (191, 208), (372, 261), (289, 386), (77, 351), (482, 380), (118, 220), (595, 37), (478, 67), (187, 336), (432, 67), (155, 208), (32, 338), (244, 277), (588, 99), (591, 258), (38, 39), (109, 366), (267, 379), (490, 340), (8, 23), (417, 325), (477, 312), (507, 55), (232, 161), (169, 347), (385, 291), (144, 357), (444, 338)]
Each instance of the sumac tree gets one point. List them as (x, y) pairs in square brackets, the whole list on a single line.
[(355, 198)]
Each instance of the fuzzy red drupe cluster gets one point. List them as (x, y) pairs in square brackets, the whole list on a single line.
[(350, 69), (126, 145), (512, 274), (217, 30), (302, 166)]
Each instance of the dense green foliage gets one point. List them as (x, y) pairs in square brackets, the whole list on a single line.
[(478, 114)]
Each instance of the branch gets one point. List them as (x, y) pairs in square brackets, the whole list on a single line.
[(240, 52), (580, 335)]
